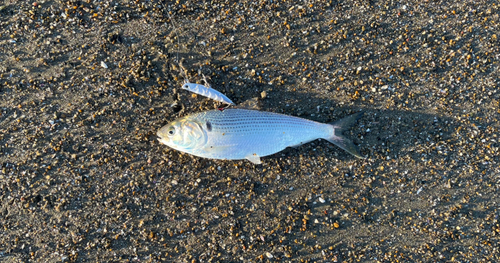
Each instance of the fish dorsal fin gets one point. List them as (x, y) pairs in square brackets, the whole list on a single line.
[(250, 104), (254, 158)]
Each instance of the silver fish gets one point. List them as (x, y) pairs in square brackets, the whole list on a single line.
[(207, 92), (236, 134)]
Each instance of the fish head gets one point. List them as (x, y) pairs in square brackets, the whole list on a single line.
[(183, 134)]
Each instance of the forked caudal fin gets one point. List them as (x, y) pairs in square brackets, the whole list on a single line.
[(340, 140)]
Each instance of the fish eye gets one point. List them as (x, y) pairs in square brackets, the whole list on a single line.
[(171, 131)]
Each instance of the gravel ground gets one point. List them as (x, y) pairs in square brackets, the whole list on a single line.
[(85, 85)]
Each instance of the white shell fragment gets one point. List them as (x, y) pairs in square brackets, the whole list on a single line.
[(207, 92)]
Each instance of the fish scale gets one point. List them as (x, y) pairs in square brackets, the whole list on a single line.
[(235, 134), (257, 122)]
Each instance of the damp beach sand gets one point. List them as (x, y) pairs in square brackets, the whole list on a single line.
[(85, 85)]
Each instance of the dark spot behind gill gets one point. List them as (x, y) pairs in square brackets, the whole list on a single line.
[(209, 126)]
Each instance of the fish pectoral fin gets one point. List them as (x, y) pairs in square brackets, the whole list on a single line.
[(219, 149), (254, 158)]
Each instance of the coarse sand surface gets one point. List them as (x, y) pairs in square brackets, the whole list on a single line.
[(85, 85)]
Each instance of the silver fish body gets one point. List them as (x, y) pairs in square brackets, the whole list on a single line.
[(207, 92), (235, 134)]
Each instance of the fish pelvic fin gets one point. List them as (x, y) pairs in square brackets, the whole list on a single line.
[(254, 158), (340, 140)]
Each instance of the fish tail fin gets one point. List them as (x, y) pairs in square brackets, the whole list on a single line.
[(340, 140)]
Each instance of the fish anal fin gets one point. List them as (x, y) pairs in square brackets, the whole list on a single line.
[(254, 158)]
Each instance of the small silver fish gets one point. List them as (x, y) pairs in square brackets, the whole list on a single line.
[(236, 134), (207, 92)]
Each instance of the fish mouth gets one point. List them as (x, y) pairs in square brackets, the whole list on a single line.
[(162, 140)]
